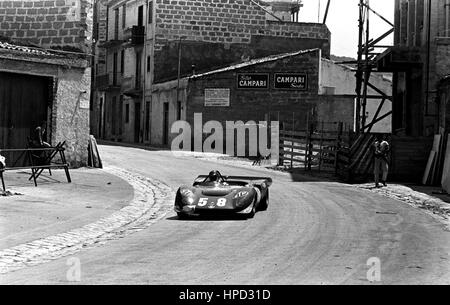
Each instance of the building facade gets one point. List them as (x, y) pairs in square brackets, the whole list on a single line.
[(151, 42), (45, 68), (420, 61), (296, 89)]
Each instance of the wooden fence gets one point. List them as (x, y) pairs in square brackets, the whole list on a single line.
[(314, 149), (338, 150)]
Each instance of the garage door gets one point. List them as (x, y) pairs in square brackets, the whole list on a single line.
[(24, 102)]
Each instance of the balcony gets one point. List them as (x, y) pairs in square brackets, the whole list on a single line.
[(132, 86), (109, 81), (110, 44), (101, 81), (399, 58), (135, 35)]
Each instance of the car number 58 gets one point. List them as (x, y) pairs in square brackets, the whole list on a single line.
[(221, 202), (202, 202)]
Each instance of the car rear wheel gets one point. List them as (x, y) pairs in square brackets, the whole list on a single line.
[(264, 204)]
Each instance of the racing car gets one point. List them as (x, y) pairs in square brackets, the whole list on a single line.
[(215, 194)]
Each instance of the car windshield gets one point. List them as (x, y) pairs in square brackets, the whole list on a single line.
[(214, 177)]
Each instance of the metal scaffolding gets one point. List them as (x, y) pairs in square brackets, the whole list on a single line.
[(368, 50)]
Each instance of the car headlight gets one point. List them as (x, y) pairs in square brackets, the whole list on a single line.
[(187, 196), (240, 194), (242, 198)]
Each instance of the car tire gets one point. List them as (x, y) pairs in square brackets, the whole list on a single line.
[(252, 213), (264, 204)]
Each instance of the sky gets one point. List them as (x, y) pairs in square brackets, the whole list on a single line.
[(343, 22)]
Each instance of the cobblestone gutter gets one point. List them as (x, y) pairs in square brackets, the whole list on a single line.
[(151, 202), (435, 206)]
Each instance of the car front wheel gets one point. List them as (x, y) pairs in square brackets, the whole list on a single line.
[(264, 204)]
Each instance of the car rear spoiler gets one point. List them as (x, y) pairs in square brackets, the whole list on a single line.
[(256, 180)]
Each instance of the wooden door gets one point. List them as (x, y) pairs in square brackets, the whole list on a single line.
[(24, 100)]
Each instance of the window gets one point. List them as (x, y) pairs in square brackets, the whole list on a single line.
[(127, 113), (114, 69), (138, 70), (116, 24), (122, 62), (148, 112), (150, 12), (148, 63), (141, 15), (120, 114), (96, 28), (107, 22), (114, 113), (166, 123), (179, 110), (124, 15)]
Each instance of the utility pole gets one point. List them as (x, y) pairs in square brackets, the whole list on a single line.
[(359, 72), (144, 78), (179, 67), (326, 12)]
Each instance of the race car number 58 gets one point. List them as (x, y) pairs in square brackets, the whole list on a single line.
[(221, 202)]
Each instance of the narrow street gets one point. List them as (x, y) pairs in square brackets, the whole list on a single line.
[(312, 233)]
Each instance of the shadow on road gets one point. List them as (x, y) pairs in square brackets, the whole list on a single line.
[(233, 217), (303, 175)]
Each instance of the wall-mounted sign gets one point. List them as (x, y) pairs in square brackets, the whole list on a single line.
[(291, 81), (253, 81), (217, 97)]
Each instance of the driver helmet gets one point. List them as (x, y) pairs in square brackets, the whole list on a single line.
[(214, 176)]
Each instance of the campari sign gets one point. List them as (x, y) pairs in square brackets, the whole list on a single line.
[(253, 81), (291, 81)]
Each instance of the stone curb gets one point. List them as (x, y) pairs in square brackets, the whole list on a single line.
[(150, 204), (433, 206)]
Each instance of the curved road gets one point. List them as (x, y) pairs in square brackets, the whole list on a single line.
[(312, 233)]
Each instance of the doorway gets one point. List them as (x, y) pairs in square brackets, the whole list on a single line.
[(166, 124), (141, 15), (25, 102), (137, 122)]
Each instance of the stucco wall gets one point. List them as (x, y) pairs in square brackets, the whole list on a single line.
[(340, 80), (72, 121), (70, 111)]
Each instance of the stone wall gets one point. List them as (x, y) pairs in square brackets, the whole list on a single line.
[(219, 33), (409, 157), (248, 105), (245, 105), (48, 23)]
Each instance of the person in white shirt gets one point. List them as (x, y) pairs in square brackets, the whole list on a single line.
[(381, 149)]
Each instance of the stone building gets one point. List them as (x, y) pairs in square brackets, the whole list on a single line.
[(419, 61), (45, 72), (293, 88), (150, 42)]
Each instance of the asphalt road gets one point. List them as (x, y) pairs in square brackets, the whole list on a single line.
[(312, 233)]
